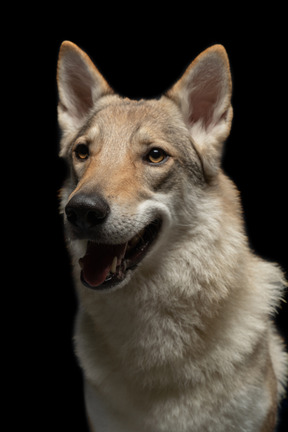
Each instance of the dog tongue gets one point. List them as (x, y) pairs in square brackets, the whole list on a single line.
[(98, 260)]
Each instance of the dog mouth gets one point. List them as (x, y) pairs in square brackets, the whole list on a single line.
[(105, 266)]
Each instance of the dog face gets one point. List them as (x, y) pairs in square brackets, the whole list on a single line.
[(134, 163)]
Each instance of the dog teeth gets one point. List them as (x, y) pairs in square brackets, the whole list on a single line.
[(114, 265)]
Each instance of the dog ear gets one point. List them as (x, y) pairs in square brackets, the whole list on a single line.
[(80, 84), (204, 97)]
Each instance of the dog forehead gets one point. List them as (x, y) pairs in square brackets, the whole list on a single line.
[(132, 119)]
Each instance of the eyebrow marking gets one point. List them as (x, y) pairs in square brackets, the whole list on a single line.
[(93, 133), (142, 134)]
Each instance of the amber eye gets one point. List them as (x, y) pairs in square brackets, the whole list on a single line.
[(82, 152), (156, 156)]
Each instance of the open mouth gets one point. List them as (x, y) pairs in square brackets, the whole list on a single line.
[(104, 265)]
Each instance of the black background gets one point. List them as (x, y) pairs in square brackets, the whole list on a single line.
[(141, 54)]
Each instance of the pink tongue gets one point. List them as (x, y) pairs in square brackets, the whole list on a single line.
[(98, 260)]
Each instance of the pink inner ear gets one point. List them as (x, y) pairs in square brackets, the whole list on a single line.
[(78, 84), (203, 101), (80, 89), (202, 111)]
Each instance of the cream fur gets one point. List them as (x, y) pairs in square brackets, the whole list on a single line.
[(186, 343)]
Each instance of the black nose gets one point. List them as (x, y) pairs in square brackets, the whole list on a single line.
[(86, 211)]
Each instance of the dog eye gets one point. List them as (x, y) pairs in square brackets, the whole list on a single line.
[(156, 156), (82, 152)]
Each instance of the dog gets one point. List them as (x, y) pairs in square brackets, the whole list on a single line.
[(174, 331)]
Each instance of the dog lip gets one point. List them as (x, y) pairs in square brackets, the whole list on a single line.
[(135, 250)]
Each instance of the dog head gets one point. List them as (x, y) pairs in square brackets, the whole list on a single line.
[(136, 167)]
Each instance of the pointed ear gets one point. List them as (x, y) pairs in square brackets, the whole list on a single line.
[(80, 84), (204, 97)]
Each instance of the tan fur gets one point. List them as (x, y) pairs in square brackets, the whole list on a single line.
[(185, 342)]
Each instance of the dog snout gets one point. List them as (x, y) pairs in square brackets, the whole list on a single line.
[(86, 211)]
